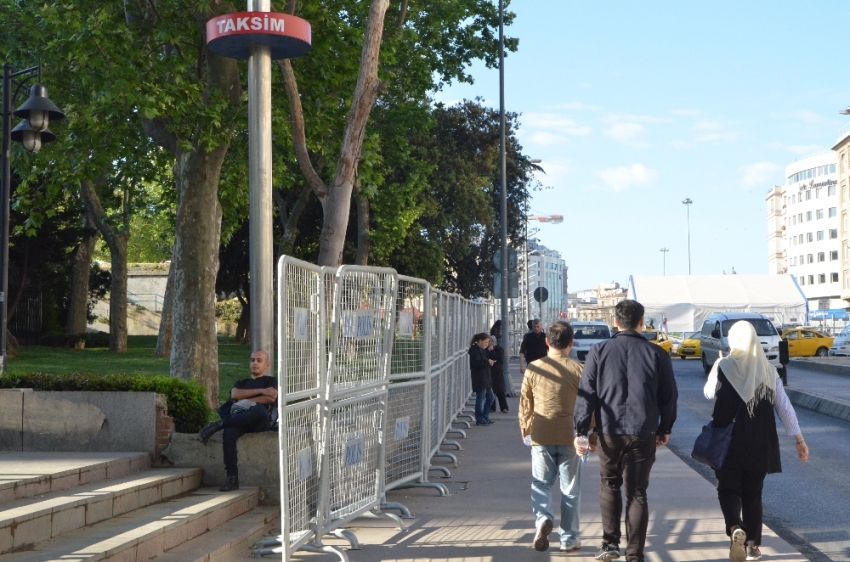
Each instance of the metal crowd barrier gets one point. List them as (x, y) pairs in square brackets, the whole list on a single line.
[(373, 372)]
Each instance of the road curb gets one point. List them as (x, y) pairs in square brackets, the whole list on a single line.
[(820, 367), (819, 403)]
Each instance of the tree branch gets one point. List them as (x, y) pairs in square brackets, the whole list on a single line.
[(402, 13), (157, 129), (299, 134)]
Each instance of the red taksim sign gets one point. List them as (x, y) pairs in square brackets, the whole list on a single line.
[(233, 35)]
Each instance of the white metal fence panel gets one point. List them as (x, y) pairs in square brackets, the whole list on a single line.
[(301, 328), (404, 432), (436, 411), (410, 346)]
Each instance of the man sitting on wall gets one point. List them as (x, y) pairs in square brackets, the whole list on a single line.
[(250, 410)]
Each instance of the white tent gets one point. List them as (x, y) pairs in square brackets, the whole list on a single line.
[(686, 300)]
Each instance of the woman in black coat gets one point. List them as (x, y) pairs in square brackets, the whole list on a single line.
[(497, 354), (745, 391), (482, 385)]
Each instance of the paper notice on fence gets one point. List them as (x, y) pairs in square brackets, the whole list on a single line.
[(402, 427), (301, 323), (353, 450), (304, 468), (358, 324), (405, 324)]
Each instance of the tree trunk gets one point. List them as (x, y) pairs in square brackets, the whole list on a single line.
[(243, 334), (289, 222), (194, 346), (79, 294), (163, 340), (117, 241), (336, 206), (363, 244)]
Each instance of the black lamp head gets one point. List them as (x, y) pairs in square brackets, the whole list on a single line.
[(38, 109), (29, 137)]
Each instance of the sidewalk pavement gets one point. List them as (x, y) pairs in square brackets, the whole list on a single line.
[(487, 517)]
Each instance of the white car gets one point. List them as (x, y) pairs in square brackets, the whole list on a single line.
[(586, 334), (841, 343)]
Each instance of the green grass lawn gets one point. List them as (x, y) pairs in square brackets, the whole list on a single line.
[(138, 360)]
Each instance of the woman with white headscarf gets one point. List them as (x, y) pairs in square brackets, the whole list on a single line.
[(746, 390)]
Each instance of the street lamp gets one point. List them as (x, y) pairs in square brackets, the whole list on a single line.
[(664, 262), (37, 113), (687, 203)]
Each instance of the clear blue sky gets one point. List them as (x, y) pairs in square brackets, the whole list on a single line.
[(634, 106)]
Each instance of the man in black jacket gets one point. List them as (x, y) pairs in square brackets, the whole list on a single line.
[(533, 346), (628, 383)]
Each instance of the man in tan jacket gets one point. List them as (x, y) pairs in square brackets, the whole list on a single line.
[(546, 407)]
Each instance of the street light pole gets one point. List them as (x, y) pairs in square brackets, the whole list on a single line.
[(36, 112), (687, 203), (664, 262), (506, 280)]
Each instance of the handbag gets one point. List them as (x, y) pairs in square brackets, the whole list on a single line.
[(712, 445)]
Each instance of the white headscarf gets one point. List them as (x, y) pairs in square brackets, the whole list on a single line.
[(746, 367)]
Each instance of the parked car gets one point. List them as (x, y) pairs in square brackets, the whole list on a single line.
[(690, 345), (586, 334), (715, 330), (807, 342), (841, 344), (660, 339)]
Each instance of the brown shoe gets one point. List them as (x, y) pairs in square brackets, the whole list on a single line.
[(541, 539)]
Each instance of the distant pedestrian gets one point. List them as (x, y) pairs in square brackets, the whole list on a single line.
[(663, 328), (497, 375), (496, 332), (546, 408), (482, 384), (745, 391), (628, 385), (533, 345)]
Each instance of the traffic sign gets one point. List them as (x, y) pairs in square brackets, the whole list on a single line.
[(541, 294), (513, 288), (512, 259)]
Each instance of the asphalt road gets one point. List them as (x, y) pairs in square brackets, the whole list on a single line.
[(808, 504)]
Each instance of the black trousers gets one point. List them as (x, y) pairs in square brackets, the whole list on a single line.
[(625, 459), (252, 420), (503, 401), (739, 492)]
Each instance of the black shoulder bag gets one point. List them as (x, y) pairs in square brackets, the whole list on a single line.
[(712, 445)]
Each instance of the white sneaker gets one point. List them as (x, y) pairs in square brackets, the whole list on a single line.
[(569, 547), (737, 552)]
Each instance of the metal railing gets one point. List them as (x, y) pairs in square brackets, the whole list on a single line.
[(373, 375)]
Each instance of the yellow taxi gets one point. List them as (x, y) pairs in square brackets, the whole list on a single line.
[(690, 346), (660, 339), (806, 342)]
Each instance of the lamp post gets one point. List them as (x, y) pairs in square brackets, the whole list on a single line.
[(687, 203), (506, 327), (37, 113), (664, 261)]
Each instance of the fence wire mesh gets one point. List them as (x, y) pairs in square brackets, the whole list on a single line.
[(404, 432), (363, 316), (408, 357), (436, 412), (353, 452), (300, 327), (300, 436)]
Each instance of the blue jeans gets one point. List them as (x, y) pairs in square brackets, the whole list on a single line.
[(547, 463), (483, 401)]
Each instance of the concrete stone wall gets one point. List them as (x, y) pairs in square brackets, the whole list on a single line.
[(79, 421), (258, 460)]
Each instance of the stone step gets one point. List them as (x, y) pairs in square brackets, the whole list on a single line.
[(33, 520), (234, 541), (24, 475), (146, 533)]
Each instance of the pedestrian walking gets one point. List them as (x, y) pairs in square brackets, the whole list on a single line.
[(496, 331), (497, 375), (533, 345), (482, 384), (546, 407), (746, 392), (628, 385)]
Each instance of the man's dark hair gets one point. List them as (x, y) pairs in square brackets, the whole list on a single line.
[(559, 334), (629, 314), (529, 323)]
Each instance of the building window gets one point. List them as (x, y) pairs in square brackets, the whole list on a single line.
[(820, 235), (833, 212), (830, 190), (832, 168), (810, 237), (833, 233), (810, 258), (821, 256), (808, 194), (800, 218), (808, 216), (833, 278), (811, 279), (822, 278), (819, 214), (794, 219), (846, 279), (833, 255), (802, 280)]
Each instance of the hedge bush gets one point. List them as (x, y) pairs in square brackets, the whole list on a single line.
[(186, 402)]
